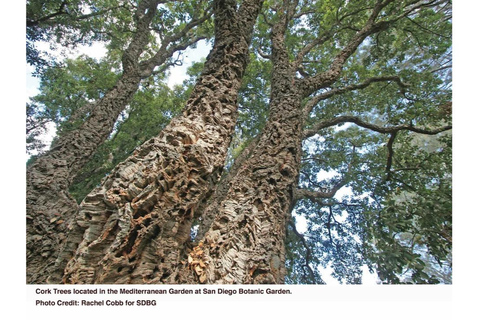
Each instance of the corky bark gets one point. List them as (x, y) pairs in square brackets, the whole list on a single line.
[(135, 227), (132, 227), (207, 210), (245, 242), (49, 205)]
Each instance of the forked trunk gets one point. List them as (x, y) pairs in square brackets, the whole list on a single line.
[(246, 240), (132, 228)]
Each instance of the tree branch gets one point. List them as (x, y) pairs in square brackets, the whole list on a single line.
[(262, 14), (165, 51), (427, 30), (144, 15), (307, 48), (291, 9), (302, 13), (329, 225), (327, 78), (263, 54), (393, 135), (352, 119), (308, 256), (316, 195), (393, 130), (61, 10), (315, 100)]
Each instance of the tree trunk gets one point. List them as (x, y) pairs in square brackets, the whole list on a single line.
[(132, 228), (246, 241), (49, 205)]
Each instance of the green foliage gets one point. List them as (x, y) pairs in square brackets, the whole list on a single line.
[(397, 219), (149, 112), (35, 128), (65, 91), (67, 24), (401, 227)]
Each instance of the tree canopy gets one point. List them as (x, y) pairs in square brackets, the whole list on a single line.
[(374, 179)]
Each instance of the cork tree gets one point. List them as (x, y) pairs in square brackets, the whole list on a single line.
[(332, 148)]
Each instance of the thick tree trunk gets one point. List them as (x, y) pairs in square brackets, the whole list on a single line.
[(133, 227), (246, 241), (49, 205)]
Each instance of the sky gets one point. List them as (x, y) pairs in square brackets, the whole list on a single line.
[(97, 50)]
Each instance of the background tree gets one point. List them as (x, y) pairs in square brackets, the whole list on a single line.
[(65, 92), (151, 109), (340, 98)]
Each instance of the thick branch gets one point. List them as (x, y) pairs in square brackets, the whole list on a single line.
[(291, 9), (247, 16), (61, 11), (315, 100), (145, 13), (327, 78), (352, 119)]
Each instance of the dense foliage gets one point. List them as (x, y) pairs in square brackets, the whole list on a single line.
[(68, 24), (386, 193), (149, 111)]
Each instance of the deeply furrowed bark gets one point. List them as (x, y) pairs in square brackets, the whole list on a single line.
[(245, 243), (49, 205), (132, 227), (207, 210)]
